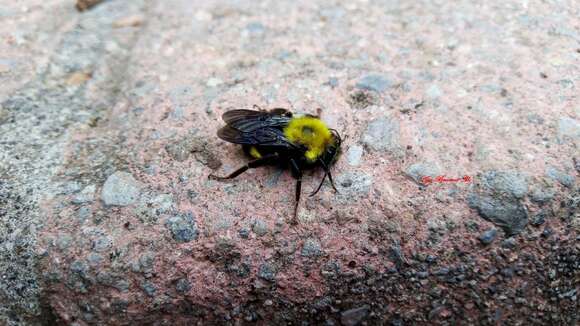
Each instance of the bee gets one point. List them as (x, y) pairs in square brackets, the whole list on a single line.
[(279, 137)]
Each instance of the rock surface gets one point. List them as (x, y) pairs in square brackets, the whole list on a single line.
[(120, 189), (382, 134), (354, 316), (107, 136), (374, 82)]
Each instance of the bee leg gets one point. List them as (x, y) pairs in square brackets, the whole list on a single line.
[(298, 190), (326, 172), (332, 182), (298, 175), (251, 165), (319, 185), (257, 107)]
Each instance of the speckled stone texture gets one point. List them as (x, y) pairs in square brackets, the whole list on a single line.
[(107, 136)]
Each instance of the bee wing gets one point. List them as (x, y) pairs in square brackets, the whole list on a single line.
[(235, 116), (263, 136), (232, 135), (249, 120)]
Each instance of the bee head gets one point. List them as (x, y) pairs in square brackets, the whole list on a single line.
[(333, 151)]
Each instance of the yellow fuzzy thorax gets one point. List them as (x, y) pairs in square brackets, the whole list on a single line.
[(310, 132)]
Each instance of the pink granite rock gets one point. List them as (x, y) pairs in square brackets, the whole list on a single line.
[(110, 218)]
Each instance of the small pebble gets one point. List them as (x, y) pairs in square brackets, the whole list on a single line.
[(374, 82), (488, 236)]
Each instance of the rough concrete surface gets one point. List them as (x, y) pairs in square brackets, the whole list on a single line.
[(107, 136)]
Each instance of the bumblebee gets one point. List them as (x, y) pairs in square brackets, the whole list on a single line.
[(279, 137)]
